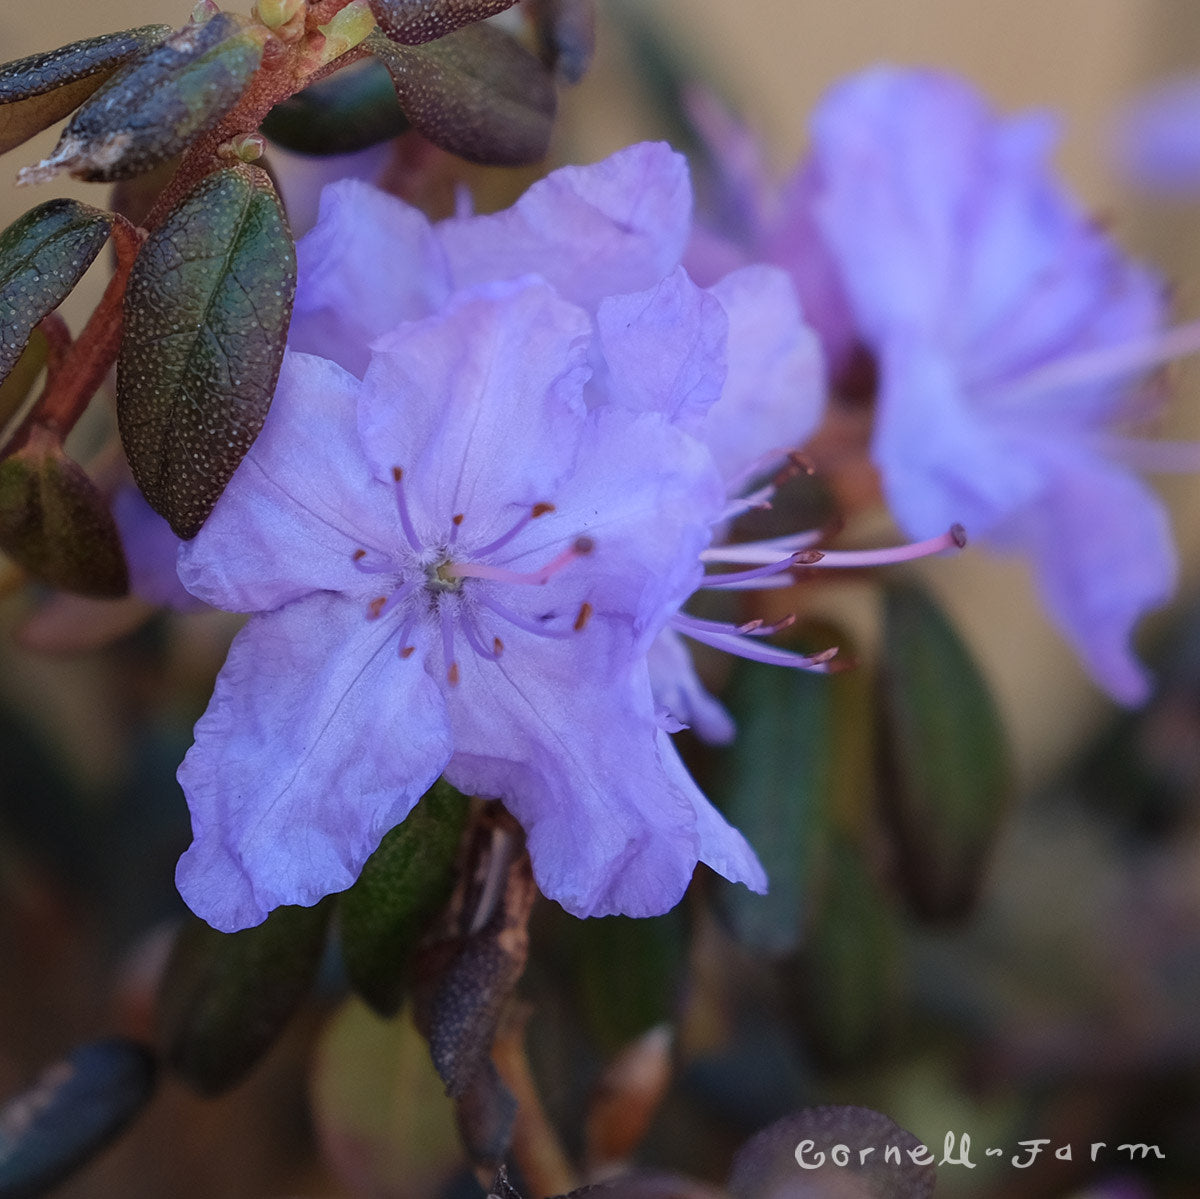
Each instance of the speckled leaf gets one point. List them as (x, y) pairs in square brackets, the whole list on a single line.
[(151, 110), (226, 997), (78, 1105), (348, 111), (796, 1156), (43, 88), (404, 884), (206, 318), (55, 524), (412, 22), (476, 93), (42, 256), (945, 778)]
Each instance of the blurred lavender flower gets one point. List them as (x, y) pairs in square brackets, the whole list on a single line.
[(479, 499), (1157, 138), (1006, 331)]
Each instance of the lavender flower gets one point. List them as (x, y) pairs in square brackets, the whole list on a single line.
[(477, 504), (1008, 334)]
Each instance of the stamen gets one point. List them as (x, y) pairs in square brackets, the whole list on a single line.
[(406, 523), (539, 628), (448, 644), (771, 549), (744, 647), (539, 509), (382, 604), (475, 639), (455, 521), (740, 578), (370, 563), (580, 547), (759, 500), (955, 538), (585, 614)]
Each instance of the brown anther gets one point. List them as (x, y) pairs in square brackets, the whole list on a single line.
[(959, 535), (583, 545), (452, 674), (397, 474), (750, 626), (585, 614), (807, 557), (540, 510), (359, 555), (408, 651), (375, 607), (456, 519), (497, 646)]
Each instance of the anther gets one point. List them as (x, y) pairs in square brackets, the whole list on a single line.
[(452, 674), (375, 607), (540, 510), (585, 614), (408, 651)]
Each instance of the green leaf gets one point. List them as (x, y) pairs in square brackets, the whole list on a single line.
[(476, 93), (42, 256), (43, 88), (15, 389), (206, 317), (351, 110), (775, 784), (403, 886), (77, 1107), (55, 524), (154, 108), (226, 997), (945, 777), (412, 22)]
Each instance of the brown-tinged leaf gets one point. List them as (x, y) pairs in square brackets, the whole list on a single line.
[(412, 22), (403, 885), (476, 93), (76, 1108), (43, 254), (226, 997), (206, 317), (817, 1154), (155, 107), (55, 523), (43, 88)]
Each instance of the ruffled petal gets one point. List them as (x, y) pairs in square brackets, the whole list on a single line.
[(663, 349), (300, 504), (1104, 557), (575, 757), (447, 399), (774, 393), (370, 262), (680, 694), (318, 739), (617, 226)]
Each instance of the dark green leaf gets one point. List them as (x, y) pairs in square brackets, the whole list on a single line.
[(206, 318), (16, 387), (55, 524), (846, 982), (775, 785), (226, 997), (769, 1164), (41, 89), (476, 93), (74, 1110), (352, 109), (412, 22), (42, 256), (944, 764), (154, 108), (404, 884)]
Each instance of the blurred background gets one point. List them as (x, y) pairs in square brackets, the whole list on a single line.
[(1067, 1005)]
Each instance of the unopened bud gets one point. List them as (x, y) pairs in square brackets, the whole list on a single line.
[(204, 11), (285, 18), (349, 26), (248, 148)]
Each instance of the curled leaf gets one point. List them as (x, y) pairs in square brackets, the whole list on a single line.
[(403, 885), (157, 106), (74, 1110), (43, 88), (945, 778), (412, 22), (476, 93), (55, 524), (226, 997), (42, 256), (350, 110), (206, 317)]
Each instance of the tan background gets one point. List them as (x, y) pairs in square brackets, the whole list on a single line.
[(774, 58)]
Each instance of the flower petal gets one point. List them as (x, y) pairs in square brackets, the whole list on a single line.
[(370, 262), (679, 692), (300, 504), (617, 226), (574, 755), (480, 406), (318, 739)]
